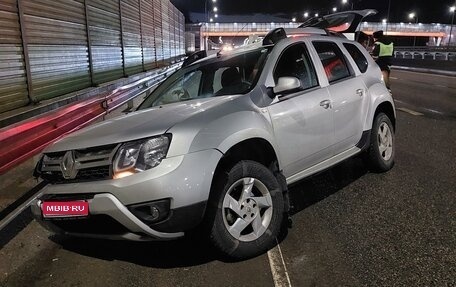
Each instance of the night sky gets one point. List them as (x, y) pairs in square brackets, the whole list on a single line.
[(428, 11)]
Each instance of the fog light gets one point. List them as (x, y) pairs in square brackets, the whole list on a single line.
[(151, 212), (154, 212)]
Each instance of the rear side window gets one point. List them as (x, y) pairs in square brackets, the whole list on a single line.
[(333, 61), (357, 56)]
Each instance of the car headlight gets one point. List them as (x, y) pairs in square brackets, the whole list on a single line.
[(136, 156)]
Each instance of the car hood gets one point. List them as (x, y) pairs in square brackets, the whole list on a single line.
[(137, 125)]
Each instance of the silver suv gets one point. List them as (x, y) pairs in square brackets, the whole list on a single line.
[(217, 143)]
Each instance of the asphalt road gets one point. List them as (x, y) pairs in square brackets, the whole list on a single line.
[(350, 227)]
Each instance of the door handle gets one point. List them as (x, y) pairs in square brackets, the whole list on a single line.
[(360, 92), (326, 104)]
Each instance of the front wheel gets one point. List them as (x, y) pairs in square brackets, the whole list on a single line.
[(382, 147), (247, 211)]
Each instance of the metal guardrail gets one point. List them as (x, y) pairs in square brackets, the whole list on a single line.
[(404, 27), (426, 48), (21, 141)]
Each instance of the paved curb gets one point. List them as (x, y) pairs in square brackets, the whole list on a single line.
[(425, 70)]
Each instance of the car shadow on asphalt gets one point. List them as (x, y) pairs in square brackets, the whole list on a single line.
[(193, 250), (316, 188), (158, 254)]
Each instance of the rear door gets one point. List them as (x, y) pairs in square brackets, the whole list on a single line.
[(347, 93)]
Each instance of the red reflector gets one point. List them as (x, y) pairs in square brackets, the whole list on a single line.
[(65, 208)]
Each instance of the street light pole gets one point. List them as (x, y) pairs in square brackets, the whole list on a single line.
[(208, 19), (414, 16), (452, 10), (388, 17)]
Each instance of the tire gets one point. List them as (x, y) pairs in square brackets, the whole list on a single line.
[(245, 211), (382, 148)]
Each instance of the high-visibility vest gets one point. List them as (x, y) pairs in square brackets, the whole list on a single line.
[(385, 50)]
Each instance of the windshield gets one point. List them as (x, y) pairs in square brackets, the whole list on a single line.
[(228, 75)]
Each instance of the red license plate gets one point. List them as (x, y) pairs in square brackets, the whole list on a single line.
[(53, 209)]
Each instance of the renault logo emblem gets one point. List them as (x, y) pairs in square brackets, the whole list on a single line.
[(68, 166)]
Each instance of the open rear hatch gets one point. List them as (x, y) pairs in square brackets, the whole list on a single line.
[(342, 22)]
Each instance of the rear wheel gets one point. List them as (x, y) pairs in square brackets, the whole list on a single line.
[(246, 211), (382, 147)]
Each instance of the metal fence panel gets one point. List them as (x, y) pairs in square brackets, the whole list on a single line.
[(131, 28), (13, 81), (57, 40), (148, 31), (158, 28), (165, 29), (172, 32), (49, 48), (182, 31), (106, 42)]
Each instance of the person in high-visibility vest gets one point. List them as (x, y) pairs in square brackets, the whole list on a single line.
[(383, 55)]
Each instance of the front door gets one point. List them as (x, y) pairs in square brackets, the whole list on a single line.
[(302, 121)]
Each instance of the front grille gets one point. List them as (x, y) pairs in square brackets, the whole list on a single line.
[(89, 174), (95, 224), (79, 165), (101, 172)]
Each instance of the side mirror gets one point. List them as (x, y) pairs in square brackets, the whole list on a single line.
[(287, 85)]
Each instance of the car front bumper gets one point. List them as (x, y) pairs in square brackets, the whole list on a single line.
[(185, 181)]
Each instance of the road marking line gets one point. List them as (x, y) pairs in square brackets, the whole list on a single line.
[(410, 111), (434, 111), (394, 78), (441, 86), (278, 267)]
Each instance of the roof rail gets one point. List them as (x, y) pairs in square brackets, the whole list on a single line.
[(305, 31), (274, 36), (194, 57)]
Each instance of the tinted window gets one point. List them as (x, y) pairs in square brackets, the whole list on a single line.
[(333, 61), (357, 56), (295, 62)]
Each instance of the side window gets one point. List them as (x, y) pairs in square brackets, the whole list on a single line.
[(357, 56), (333, 61), (184, 88), (295, 62)]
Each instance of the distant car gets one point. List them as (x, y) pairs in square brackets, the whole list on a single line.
[(216, 144)]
